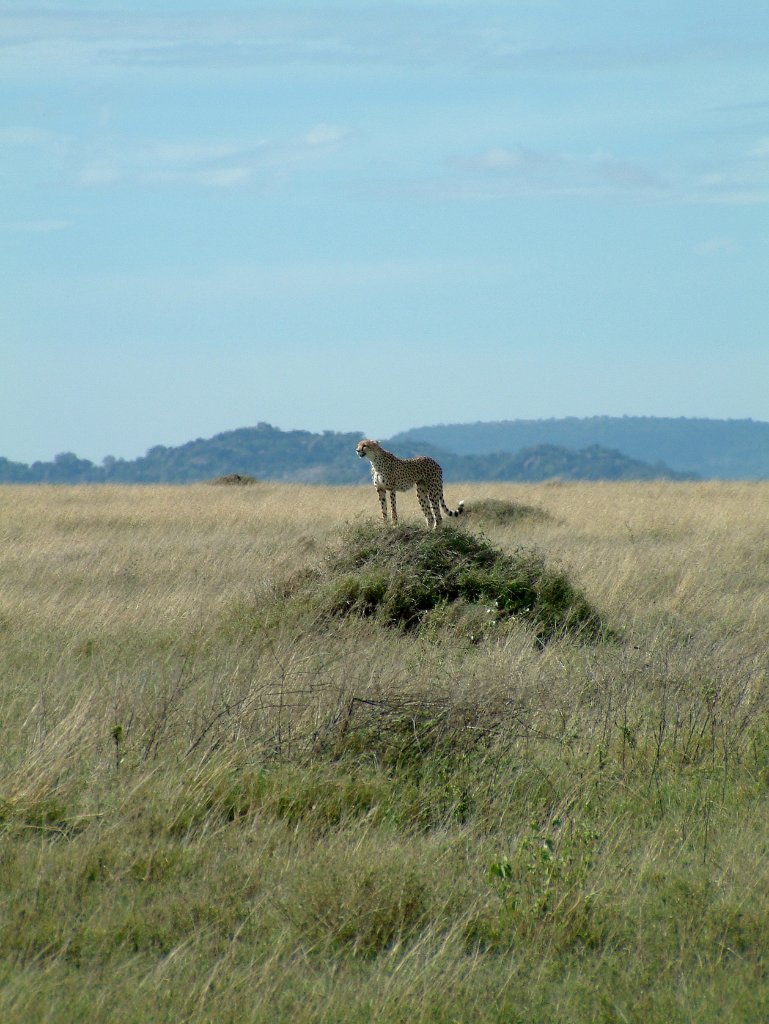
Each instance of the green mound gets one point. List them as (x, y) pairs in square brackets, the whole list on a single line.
[(410, 578), (497, 511)]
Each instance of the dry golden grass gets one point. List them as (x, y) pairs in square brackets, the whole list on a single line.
[(217, 806), (152, 555)]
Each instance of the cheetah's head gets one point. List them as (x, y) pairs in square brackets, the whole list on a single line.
[(364, 447)]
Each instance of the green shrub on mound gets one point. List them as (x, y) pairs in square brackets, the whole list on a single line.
[(410, 578)]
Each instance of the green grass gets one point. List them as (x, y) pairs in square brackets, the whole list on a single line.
[(220, 802)]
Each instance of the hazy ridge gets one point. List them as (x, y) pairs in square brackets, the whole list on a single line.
[(710, 448), (600, 448)]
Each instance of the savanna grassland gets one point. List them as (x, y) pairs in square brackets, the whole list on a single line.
[(241, 781)]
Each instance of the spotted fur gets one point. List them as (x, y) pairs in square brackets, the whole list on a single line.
[(392, 474)]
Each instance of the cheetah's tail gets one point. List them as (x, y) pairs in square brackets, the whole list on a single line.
[(459, 511)]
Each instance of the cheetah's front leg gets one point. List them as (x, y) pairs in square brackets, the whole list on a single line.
[(383, 501), (392, 505)]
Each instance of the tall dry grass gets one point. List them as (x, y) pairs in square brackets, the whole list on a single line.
[(218, 805)]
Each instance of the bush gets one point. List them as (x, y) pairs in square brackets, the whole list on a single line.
[(234, 480), (495, 510), (405, 578)]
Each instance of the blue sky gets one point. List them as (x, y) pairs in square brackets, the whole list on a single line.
[(372, 216)]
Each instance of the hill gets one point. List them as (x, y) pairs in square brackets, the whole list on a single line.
[(262, 451), (548, 461), (268, 453), (720, 449)]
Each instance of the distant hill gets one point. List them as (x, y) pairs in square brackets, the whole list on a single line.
[(720, 449), (262, 451), (548, 461), (267, 453)]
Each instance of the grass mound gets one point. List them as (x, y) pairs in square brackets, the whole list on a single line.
[(494, 510), (410, 578)]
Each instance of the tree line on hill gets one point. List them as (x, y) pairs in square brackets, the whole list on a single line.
[(267, 453)]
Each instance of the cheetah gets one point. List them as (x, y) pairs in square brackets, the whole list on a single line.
[(392, 474)]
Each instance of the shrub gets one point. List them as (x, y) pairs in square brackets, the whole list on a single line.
[(495, 510), (234, 480), (403, 577)]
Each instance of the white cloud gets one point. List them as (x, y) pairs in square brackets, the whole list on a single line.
[(736, 180), (25, 137), (326, 135), (720, 246), (417, 35), (228, 177), (500, 172), (213, 164), (503, 160), (556, 115), (113, 162), (98, 172)]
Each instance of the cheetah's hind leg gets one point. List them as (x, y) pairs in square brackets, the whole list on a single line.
[(436, 507), (423, 498)]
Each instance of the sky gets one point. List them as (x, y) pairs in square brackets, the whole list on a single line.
[(344, 215)]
